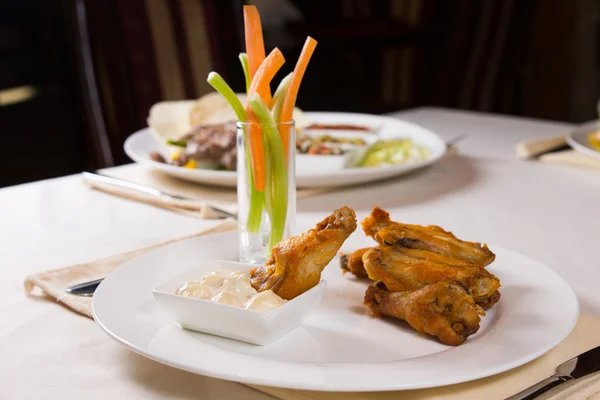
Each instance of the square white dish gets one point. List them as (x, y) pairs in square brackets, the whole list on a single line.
[(260, 328)]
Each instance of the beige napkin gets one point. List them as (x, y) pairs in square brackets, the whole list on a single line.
[(586, 335), (531, 149), (202, 195), (54, 282)]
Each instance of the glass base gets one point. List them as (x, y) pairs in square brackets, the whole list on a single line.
[(253, 247)]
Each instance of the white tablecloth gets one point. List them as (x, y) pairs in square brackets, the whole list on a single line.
[(547, 212)]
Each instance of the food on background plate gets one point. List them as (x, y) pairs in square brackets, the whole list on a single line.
[(415, 268), (206, 146), (199, 134), (232, 288), (392, 152), (173, 120), (296, 263), (326, 144), (594, 139), (342, 127)]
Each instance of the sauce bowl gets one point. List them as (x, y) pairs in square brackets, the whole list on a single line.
[(256, 327)]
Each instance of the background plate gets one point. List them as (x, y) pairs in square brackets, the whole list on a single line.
[(140, 144), (578, 139)]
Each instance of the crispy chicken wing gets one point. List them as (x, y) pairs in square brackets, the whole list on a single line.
[(296, 263), (442, 309), (353, 263), (400, 272), (431, 238)]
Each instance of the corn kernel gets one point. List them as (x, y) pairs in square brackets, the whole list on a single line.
[(191, 164)]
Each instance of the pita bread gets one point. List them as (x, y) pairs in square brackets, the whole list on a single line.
[(173, 119)]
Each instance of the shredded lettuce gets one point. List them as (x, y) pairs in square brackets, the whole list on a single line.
[(393, 152)]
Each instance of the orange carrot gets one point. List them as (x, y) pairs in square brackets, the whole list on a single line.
[(289, 102), (261, 85), (255, 46), (264, 75)]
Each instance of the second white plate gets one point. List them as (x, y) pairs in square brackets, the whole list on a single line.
[(139, 145), (340, 347), (579, 140)]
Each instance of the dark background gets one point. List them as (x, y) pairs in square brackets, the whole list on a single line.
[(93, 70)]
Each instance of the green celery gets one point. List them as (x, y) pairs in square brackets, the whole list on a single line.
[(276, 190), (244, 60), (178, 143), (215, 80), (279, 96), (256, 197)]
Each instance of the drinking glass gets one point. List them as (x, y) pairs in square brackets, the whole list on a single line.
[(266, 187)]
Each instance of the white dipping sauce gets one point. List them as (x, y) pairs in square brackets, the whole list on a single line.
[(232, 288)]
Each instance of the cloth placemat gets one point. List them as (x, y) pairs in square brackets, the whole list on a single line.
[(543, 150), (585, 335), (54, 282)]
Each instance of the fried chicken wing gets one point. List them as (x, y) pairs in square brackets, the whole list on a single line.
[(400, 272), (296, 263), (431, 238), (353, 263), (442, 309)]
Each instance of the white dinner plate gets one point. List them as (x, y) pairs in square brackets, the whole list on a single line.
[(339, 347), (140, 144), (578, 139)]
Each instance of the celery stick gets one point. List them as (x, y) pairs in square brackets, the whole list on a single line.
[(244, 60), (276, 189), (280, 96), (215, 80), (256, 198)]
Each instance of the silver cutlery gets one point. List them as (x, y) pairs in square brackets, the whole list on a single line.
[(584, 364), (453, 141), (148, 191), (86, 289)]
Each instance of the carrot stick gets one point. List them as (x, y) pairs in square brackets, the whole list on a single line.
[(289, 102), (255, 46), (261, 85)]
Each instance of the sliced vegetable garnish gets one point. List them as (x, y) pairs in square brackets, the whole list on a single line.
[(255, 46), (279, 96), (287, 109), (276, 195), (260, 85), (244, 61), (266, 144), (392, 152), (215, 80), (178, 143)]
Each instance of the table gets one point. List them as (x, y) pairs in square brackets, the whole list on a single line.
[(547, 212)]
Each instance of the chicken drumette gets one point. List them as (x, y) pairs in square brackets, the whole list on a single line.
[(296, 263), (429, 238), (442, 309), (401, 272)]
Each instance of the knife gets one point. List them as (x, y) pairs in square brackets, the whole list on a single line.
[(86, 289), (147, 190), (577, 367)]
